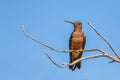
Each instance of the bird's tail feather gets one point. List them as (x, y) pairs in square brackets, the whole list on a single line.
[(78, 65), (73, 67)]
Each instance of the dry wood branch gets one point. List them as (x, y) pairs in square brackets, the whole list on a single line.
[(84, 58), (92, 26), (102, 52), (96, 56), (43, 44), (52, 60)]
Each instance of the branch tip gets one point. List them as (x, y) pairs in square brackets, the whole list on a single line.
[(22, 27)]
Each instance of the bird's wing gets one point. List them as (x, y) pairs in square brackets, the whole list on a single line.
[(84, 41), (70, 42), (70, 47)]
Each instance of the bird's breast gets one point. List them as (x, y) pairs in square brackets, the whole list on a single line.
[(77, 41)]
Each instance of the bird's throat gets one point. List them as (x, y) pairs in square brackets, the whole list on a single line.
[(77, 29)]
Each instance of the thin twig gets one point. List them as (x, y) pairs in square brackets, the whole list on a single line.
[(30, 37), (96, 56), (92, 26), (52, 60), (82, 59), (43, 44)]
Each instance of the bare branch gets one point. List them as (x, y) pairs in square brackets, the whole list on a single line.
[(103, 53), (92, 26), (52, 60), (82, 59), (43, 44), (96, 56), (30, 37)]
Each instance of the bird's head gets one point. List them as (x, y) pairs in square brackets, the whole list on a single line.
[(76, 24)]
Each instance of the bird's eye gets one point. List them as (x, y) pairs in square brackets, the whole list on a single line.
[(78, 23)]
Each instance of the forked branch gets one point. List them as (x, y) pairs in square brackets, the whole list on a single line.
[(81, 59), (99, 34), (102, 52)]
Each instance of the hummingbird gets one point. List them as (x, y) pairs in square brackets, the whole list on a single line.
[(77, 41)]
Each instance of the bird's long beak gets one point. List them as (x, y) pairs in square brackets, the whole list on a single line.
[(68, 21)]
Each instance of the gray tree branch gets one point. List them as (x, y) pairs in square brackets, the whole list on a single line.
[(82, 59), (102, 52), (99, 34)]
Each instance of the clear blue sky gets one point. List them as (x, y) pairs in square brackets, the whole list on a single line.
[(22, 59)]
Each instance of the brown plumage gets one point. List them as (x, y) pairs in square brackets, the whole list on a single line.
[(77, 42)]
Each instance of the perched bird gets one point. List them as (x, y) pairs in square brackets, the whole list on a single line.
[(77, 41)]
